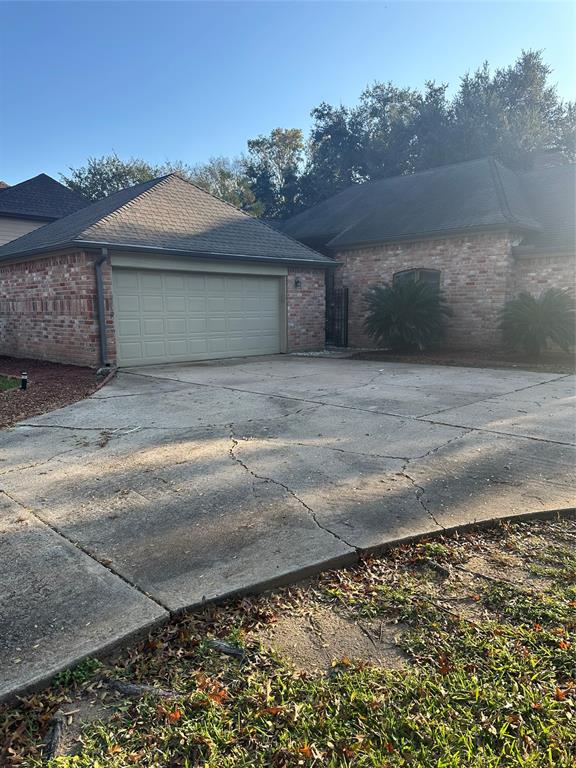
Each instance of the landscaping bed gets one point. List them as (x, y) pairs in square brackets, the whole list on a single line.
[(455, 651), (50, 386), (549, 362)]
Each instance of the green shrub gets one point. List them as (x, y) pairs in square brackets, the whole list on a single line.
[(532, 322), (406, 315)]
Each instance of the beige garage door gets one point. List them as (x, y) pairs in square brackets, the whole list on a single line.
[(165, 317)]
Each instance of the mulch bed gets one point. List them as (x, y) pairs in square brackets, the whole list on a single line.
[(550, 362), (50, 386)]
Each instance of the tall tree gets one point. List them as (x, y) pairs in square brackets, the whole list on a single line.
[(101, 176), (273, 167), (221, 176)]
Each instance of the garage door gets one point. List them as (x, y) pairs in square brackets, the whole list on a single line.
[(164, 317)]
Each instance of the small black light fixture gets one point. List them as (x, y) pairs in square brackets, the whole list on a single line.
[(297, 282), (23, 380)]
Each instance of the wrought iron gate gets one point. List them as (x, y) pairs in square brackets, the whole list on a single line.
[(337, 317)]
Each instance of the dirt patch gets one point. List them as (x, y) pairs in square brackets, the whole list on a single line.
[(320, 636), (50, 386), (77, 714), (554, 361)]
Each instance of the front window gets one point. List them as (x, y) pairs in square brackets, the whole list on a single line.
[(429, 276)]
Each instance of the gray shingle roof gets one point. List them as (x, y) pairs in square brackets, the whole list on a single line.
[(166, 214), (551, 193), (474, 195), (41, 197)]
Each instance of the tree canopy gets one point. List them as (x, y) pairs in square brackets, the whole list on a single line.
[(511, 114)]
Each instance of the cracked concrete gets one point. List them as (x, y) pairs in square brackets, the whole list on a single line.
[(178, 484)]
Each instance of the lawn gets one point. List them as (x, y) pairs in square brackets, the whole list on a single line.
[(6, 382), (456, 651)]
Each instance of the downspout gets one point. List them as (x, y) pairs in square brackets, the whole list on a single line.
[(101, 308)]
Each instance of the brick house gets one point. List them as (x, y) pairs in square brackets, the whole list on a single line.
[(160, 272), (480, 231)]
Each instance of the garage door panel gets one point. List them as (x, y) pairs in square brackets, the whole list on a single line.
[(151, 304), (152, 281), (165, 316), (175, 303), (197, 325), (176, 325)]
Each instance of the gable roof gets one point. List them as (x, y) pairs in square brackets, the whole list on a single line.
[(168, 215), (471, 196), (41, 197)]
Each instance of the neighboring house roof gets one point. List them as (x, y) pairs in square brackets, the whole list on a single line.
[(168, 215), (41, 197), (471, 196), (551, 193)]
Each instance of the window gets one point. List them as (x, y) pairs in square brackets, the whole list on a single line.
[(430, 276)]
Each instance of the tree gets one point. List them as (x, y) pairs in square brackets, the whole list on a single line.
[(101, 176), (273, 168), (225, 178), (221, 176)]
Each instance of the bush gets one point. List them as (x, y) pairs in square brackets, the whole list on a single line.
[(407, 315), (530, 323)]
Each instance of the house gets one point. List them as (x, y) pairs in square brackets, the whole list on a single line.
[(160, 272), (476, 229), (34, 203)]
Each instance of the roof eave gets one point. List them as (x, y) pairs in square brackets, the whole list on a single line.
[(92, 245), (320, 263), (433, 234)]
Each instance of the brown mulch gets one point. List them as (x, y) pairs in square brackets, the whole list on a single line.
[(50, 386), (550, 362)]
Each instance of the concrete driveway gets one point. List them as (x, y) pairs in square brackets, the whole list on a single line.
[(184, 483)]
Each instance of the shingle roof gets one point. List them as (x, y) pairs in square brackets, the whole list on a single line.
[(41, 197), (166, 214), (551, 193), (474, 195)]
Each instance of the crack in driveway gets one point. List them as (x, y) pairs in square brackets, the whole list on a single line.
[(104, 563), (289, 490), (419, 493)]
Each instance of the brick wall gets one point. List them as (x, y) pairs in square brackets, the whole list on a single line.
[(534, 274), (476, 273), (48, 309), (306, 300)]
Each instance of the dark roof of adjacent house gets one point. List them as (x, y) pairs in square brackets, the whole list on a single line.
[(41, 197), (167, 215), (551, 194), (476, 195)]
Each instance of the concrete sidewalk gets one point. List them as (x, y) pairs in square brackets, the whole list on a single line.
[(179, 484)]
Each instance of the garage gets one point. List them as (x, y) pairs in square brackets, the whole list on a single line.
[(160, 272), (165, 316)]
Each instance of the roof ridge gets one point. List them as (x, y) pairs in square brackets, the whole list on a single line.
[(505, 208), (152, 184)]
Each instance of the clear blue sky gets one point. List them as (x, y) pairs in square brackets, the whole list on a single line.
[(187, 80)]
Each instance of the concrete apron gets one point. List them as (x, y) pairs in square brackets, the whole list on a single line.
[(177, 485)]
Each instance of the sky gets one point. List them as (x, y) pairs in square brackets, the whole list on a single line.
[(190, 80)]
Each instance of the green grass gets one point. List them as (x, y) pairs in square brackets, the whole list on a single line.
[(490, 692), (7, 382)]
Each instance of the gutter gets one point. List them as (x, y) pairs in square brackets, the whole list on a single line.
[(101, 308), (328, 263)]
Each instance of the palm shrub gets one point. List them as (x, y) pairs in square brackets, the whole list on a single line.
[(531, 322), (406, 315)]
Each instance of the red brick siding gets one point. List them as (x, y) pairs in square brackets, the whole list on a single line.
[(535, 274), (476, 275), (48, 309), (306, 309)]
